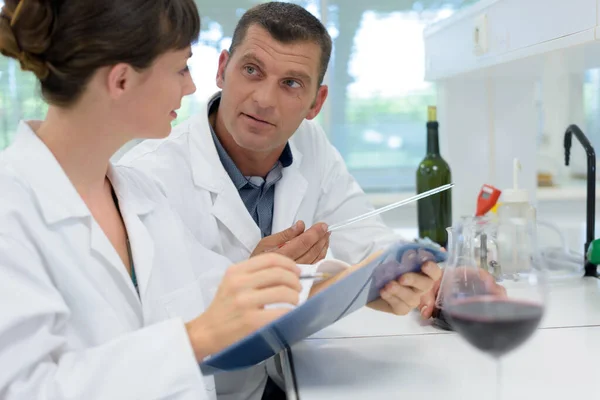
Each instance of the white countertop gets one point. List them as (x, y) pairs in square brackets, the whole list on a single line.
[(375, 355), (571, 302), (558, 363)]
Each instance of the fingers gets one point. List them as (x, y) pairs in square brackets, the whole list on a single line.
[(264, 261), (277, 240), (419, 282), (404, 293), (275, 276), (271, 295), (314, 253), (298, 247), (491, 286), (400, 298), (432, 270), (426, 311), (290, 233), (396, 306), (323, 252), (499, 290), (427, 303), (271, 278), (422, 282)]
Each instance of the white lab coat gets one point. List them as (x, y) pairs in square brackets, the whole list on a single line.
[(315, 188), (71, 323)]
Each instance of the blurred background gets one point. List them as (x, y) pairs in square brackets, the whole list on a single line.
[(376, 111)]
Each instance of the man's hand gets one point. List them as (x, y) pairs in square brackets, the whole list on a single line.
[(397, 297), (427, 303), (304, 247), (401, 296)]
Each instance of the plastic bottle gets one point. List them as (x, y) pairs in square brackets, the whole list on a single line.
[(516, 215)]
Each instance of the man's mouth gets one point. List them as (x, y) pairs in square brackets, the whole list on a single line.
[(258, 119)]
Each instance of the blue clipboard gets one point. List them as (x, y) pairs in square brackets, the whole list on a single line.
[(326, 307)]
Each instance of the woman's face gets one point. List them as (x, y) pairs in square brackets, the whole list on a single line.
[(152, 100)]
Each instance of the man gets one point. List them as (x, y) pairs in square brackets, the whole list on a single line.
[(252, 172), (254, 164)]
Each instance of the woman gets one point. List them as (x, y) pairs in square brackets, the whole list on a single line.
[(96, 277)]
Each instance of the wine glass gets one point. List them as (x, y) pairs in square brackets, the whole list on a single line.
[(493, 318), (481, 231)]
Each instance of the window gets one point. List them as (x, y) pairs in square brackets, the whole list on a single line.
[(376, 111), (565, 98), (378, 98)]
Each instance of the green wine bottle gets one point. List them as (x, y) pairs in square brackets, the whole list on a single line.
[(434, 212)]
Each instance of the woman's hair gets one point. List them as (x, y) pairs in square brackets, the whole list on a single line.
[(64, 42)]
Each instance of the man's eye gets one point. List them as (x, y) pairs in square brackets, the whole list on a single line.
[(292, 83)]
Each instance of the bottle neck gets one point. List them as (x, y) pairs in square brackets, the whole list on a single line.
[(433, 143)]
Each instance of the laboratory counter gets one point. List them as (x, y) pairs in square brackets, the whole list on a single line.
[(371, 354)]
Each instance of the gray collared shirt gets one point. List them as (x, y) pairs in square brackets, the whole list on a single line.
[(258, 194)]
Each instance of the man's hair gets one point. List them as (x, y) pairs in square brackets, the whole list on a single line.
[(286, 23)]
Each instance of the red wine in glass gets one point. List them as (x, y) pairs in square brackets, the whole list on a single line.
[(495, 325)]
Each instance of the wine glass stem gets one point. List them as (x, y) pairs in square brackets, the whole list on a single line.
[(498, 379)]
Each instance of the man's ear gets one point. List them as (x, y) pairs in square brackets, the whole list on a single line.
[(223, 60), (318, 103)]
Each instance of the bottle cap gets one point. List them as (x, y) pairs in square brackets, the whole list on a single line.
[(431, 114)]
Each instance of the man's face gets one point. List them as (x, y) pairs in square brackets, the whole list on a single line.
[(268, 89)]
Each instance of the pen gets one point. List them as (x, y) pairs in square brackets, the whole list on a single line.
[(317, 275)]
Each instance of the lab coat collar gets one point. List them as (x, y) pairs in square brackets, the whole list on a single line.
[(57, 197), (207, 170), (53, 191)]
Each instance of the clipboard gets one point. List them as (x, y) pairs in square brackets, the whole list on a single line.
[(325, 308)]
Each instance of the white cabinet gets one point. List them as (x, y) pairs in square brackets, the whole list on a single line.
[(515, 30)]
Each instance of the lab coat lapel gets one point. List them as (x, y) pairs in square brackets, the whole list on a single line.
[(142, 249), (57, 197), (230, 210), (209, 174), (289, 193), (102, 249), (133, 210)]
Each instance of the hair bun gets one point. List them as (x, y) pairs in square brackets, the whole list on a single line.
[(25, 33)]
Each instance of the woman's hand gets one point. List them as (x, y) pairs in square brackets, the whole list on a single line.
[(238, 308)]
